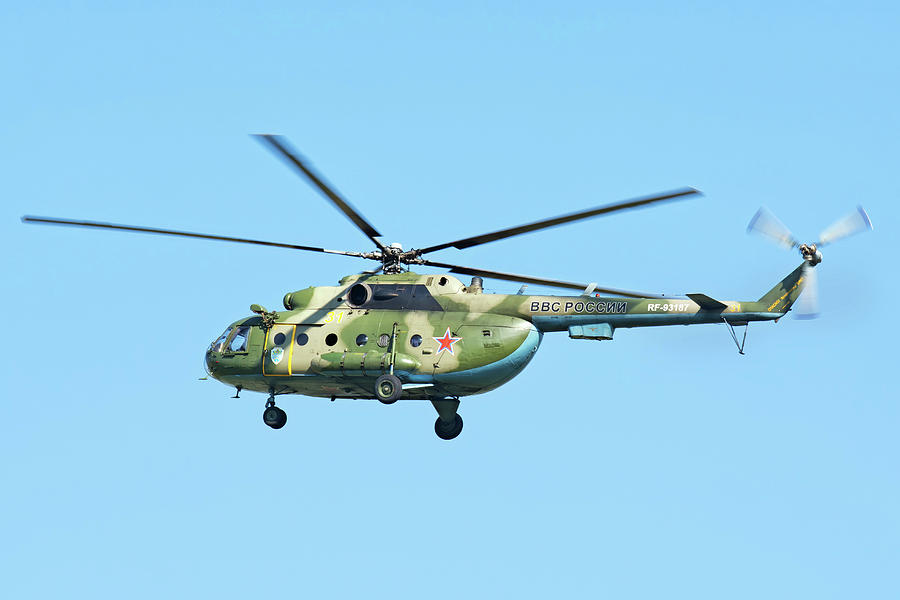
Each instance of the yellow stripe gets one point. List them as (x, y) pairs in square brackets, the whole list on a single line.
[(265, 353), (290, 352)]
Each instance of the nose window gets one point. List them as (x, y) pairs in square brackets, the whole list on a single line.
[(219, 344), (238, 341)]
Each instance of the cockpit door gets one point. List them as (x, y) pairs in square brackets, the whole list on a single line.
[(278, 350)]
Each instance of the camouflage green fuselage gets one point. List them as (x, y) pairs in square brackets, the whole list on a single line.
[(451, 340)]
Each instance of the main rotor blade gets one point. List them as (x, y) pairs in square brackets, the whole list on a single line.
[(808, 302), (853, 223), (280, 147), (468, 242), (767, 224), (535, 280), (205, 236)]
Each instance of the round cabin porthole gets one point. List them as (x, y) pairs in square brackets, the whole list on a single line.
[(331, 339), (383, 340), (302, 339), (362, 339), (278, 339), (415, 341)]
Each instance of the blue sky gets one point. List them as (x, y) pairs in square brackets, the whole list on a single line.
[(659, 464)]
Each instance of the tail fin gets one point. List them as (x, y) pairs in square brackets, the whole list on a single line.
[(781, 297)]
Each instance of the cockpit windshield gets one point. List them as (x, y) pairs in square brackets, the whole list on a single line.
[(219, 344)]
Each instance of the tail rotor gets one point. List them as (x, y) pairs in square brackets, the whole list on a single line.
[(768, 225), (808, 302), (855, 222)]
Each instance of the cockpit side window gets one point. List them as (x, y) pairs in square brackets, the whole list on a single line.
[(219, 344), (238, 342)]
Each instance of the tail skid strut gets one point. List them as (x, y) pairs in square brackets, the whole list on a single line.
[(740, 345)]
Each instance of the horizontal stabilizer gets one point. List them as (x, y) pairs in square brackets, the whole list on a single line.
[(707, 303)]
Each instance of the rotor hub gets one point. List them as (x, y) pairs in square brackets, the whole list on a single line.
[(810, 254), (392, 259)]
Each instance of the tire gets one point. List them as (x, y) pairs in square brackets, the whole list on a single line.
[(274, 417), (447, 431), (388, 389)]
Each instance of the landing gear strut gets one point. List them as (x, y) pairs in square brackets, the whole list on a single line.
[(448, 424), (273, 416)]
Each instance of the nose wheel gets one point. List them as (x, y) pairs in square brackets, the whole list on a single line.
[(273, 416)]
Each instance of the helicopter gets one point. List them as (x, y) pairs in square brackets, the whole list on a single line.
[(391, 333)]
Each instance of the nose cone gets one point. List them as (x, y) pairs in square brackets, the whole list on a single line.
[(211, 363), (214, 352)]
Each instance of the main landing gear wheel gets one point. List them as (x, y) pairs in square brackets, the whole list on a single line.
[(448, 431), (388, 389), (274, 417)]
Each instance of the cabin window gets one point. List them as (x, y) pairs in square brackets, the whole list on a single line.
[(362, 339), (302, 339), (219, 344), (278, 339), (383, 340), (331, 339), (238, 341), (415, 341)]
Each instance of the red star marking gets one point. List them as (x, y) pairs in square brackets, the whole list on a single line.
[(446, 342)]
